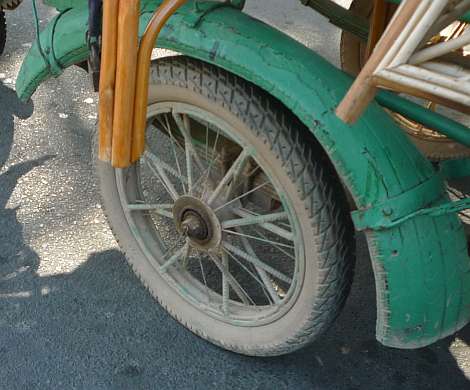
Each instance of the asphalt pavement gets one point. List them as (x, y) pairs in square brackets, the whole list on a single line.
[(73, 315)]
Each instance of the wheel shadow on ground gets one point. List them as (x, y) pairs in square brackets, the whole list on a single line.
[(98, 328), (15, 255)]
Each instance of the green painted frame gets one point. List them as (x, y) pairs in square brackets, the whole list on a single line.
[(421, 266)]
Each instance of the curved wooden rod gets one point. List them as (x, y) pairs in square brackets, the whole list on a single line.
[(161, 16)]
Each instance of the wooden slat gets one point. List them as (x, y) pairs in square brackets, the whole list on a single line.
[(107, 78), (127, 46)]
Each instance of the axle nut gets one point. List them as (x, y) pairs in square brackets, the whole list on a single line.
[(194, 226)]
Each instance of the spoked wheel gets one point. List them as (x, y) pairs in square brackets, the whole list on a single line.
[(233, 218)]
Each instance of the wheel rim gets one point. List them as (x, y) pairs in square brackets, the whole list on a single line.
[(212, 219)]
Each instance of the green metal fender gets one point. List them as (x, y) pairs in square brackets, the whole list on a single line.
[(420, 260)]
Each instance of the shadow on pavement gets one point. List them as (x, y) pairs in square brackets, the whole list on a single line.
[(97, 327), (10, 107), (15, 256)]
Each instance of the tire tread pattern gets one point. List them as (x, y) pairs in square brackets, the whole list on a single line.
[(308, 167)]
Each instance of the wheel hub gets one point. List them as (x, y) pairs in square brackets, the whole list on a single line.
[(194, 226), (197, 222)]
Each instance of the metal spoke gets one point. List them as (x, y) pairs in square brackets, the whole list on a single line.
[(207, 142), (276, 245), (156, 174), (265, 240), (238, 181), (173, 141), (180, 254), (183, 126), (203, 273), (257, 262), (232, 175), (237, 288), (225, 285), (234, 189), (262, 273), (264, 221), (242, 196), (158, 119), (207, 173), (167, 128), (189, 170), (158, 170), (167, 167), (204, 181), (160, 209), (261, 283), (147, 207), (166, 125)]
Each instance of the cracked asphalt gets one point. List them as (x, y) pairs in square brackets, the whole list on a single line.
[(72, 314)]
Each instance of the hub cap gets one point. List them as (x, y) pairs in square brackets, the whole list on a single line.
[(197, 222)]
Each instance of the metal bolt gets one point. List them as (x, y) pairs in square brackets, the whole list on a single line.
[(194, 227)]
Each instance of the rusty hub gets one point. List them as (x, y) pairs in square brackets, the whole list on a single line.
[(197, 222), (194, 226)]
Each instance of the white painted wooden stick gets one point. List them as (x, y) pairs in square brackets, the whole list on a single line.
[(423, 86), (448, 69), (460, 9), (440, 49), (415, 36), (404, 35), (435, 78)]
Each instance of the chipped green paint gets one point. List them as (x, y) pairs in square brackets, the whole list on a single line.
[(65, 4), (396, 210), (421, 266)]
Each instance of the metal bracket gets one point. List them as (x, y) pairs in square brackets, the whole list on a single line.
[(407, 205)]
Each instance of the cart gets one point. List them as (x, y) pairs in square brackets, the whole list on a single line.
[(236, 171)]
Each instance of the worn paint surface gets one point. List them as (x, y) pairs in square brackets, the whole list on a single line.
[(421, 267), (64, 4)]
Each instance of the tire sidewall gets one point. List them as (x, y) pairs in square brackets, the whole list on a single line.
[(261, 340)]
